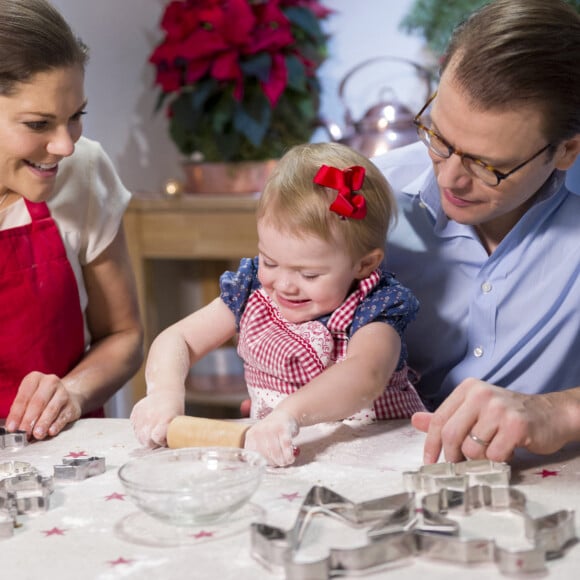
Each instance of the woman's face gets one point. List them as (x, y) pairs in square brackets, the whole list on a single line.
[(40, 122)]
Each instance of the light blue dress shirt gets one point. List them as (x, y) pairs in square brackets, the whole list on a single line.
[(512, 318)]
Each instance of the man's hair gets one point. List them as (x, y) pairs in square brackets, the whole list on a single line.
[(514, 53)]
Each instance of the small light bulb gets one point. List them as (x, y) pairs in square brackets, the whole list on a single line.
[(173, 187)]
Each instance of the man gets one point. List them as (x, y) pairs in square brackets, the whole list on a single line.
[(488, 236)]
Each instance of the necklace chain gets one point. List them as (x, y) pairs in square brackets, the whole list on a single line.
[(3, 198)]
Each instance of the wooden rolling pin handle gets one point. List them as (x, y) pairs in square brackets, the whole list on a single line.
[(185, 431)]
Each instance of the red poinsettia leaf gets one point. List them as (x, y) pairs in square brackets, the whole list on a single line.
[(237, 26), (164, 53), (226, 67), (178, 20), (273, 31), (203, 44), (196, 69), (169, 81), (278, 80)]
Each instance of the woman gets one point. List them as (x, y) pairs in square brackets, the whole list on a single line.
[(70, 334)]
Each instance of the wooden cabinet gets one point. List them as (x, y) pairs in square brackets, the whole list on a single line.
[(211, 229)]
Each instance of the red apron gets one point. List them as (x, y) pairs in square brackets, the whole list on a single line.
[(41, 322)]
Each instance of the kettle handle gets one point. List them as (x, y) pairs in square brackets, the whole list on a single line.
[(424, 73)]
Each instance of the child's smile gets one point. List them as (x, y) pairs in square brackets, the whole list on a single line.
[(305, 276)]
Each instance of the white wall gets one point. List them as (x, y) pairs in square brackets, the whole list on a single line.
[(122, 33)]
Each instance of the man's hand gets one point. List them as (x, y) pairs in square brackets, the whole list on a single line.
[(479, 420)]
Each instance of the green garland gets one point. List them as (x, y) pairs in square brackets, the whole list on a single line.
[(435, 20)]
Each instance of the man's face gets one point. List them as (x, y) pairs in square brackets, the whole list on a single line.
[(503, 139)]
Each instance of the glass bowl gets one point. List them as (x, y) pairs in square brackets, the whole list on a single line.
[(193, 485)]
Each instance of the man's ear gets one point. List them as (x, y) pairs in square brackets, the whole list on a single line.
[(567, 152), (369, 262)]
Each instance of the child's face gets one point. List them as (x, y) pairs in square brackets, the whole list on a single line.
[(305, 276)]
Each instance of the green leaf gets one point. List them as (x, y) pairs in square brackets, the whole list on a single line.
[(258, 66), (252, 122), (296, 73), (305, 20)]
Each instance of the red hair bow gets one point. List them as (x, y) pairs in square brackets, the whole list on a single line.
[(345, 181)]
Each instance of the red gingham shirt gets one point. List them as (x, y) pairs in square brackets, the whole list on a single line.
[(280, 357)]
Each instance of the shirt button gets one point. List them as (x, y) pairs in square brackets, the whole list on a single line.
[(422, 205), (486, 287), (478, 351)]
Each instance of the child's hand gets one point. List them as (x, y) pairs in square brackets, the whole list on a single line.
[(272, 437), (151, 416)]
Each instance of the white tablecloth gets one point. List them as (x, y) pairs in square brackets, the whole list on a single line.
[(92, 530)]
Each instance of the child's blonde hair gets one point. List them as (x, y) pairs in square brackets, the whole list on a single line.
[(292, 202)]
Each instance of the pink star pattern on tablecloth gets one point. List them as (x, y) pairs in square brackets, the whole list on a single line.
[(120, 560), (54, 532), (75, 454), (291, 496), (547, 473), (115, 495), (202, 534)]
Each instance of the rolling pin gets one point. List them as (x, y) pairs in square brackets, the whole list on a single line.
[(186, 431)]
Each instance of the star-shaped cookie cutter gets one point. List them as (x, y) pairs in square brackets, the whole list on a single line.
[(79, 468), (12, 439), (414, 524), (23, 490)]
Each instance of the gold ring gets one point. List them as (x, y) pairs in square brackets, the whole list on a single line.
[(478, 440)]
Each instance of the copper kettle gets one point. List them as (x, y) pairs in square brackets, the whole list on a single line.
[(384, 126)]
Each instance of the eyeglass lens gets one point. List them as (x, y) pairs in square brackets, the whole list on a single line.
[(442, 149)]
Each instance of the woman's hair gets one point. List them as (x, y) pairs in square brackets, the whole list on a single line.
[(292, 202), (34, 38), (514, 53)]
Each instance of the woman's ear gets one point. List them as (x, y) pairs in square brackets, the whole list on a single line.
[(369, 262), (567, 152)]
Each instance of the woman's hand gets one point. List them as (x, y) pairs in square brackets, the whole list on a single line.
[(43, 406), (479, 420), (272, 437), (151, 416)]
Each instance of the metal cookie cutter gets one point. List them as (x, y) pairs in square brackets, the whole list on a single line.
[(548, 535), (389, 537), (14, 439), (78, 468), (396, 531), (431, 478), (23, 490)]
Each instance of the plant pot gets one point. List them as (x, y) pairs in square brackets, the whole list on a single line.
[(242, 177)]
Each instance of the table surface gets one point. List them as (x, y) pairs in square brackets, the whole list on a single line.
[(92, 530)]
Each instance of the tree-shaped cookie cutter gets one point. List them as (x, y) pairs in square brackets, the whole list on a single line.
[(415, 524)]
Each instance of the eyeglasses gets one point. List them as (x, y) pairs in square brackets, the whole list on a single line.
[(475, 167)]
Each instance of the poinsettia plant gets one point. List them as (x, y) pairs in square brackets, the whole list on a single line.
[(238, 78)]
